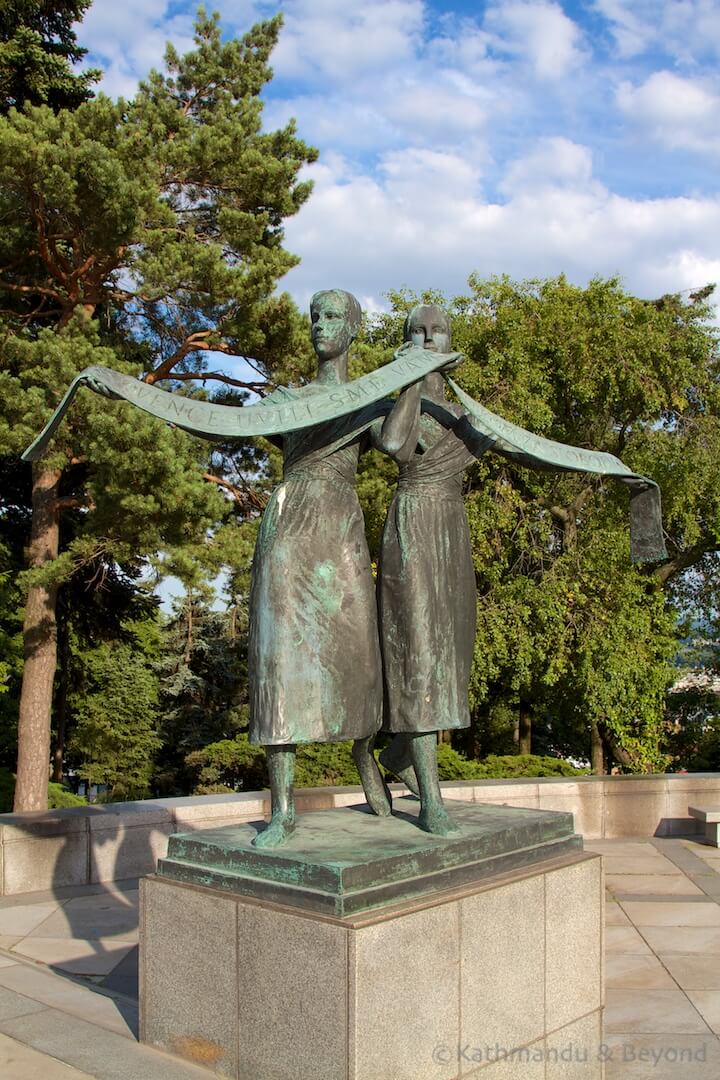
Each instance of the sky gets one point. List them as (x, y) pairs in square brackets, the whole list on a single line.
[(521, 137)]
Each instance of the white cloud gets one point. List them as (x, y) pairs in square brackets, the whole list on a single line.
[(430, 108), (632, 30), (425, 223), (553, 161), (682, 29), (677, 112), (541, 32), (471, 147), (128, 39), (333, 39)]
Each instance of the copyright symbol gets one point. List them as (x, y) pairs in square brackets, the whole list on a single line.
[(441, 1054)]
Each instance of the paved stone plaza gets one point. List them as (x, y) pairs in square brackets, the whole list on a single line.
[(68, 975)]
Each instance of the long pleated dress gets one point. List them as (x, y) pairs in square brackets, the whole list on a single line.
[(426, 589), (314, 651)]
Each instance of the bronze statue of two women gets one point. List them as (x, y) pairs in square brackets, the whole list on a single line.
[(321, 668), (332, 656)]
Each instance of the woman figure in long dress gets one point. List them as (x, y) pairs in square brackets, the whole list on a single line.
[(314, 655), (426, 585)]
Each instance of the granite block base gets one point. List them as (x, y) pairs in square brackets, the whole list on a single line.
[(499, 976)]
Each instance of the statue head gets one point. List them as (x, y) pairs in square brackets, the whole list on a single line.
[(335, 317), (428, 326)]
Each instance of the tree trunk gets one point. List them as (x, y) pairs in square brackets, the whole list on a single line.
[(597, 752), (61, 695), (40, 638), (613, 749), (524, 730)]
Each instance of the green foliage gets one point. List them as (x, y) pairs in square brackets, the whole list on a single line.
[(568, 630), (228, 765), (236, 765), (115, 739), (140, 235), (11, 651), (203, 684), (58, 796), (38, 49), (693, 726), (325, 764), (453, 766)]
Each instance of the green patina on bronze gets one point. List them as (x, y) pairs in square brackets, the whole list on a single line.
[(535, 451), (296, 412), (341, 862)]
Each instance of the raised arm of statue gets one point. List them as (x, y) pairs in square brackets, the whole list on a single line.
[(398, 435)]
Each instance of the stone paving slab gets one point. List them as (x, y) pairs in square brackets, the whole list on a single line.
[(643, 885), (19, 1062), (13, 1005), (44, 987), (662, 1057), (693, 972), (101, 1053), (87, 918), (634, 971), (659, 1012), (662, 973), (75, 956)]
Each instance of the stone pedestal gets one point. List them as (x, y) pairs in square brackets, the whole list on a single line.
[(453, 958)]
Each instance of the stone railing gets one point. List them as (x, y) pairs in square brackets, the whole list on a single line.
[(95, 844)]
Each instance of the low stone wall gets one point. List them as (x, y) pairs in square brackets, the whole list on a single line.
[(96, 844)]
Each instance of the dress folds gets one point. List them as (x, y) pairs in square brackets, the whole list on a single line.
[(314, 654)]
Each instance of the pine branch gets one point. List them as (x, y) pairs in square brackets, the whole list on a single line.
[(246, 496), (186, 376)]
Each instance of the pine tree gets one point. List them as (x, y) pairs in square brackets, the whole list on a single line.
[(38, 48), (203, 683), (115, 738), (144, 235)]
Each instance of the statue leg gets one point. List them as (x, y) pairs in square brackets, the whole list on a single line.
[(376, 790), (433, 818), (397, 759), (281, 769)]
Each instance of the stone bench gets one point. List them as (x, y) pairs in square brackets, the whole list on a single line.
[(711, 820)]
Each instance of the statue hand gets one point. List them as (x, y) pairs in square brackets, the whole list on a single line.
[(98, 387), (406, 345), (454, 361)]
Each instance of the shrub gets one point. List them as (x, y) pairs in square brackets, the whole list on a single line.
[(453, 766), (58, 796), (236, 765)]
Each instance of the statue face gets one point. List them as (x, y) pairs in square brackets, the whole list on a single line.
[(330, 327), (429, 328)]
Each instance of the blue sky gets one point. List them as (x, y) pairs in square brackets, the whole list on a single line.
[(526, 137)]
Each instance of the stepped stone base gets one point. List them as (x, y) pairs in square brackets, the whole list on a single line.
[(431, 970)]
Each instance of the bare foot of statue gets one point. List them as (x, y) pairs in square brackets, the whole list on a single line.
[(396, 758), (436, 820), (280, 828), (433, 817), (281, 771), (376, 790)]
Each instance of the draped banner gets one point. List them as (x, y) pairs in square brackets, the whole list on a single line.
[(349, 400), (646, 531), (226, 421)]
